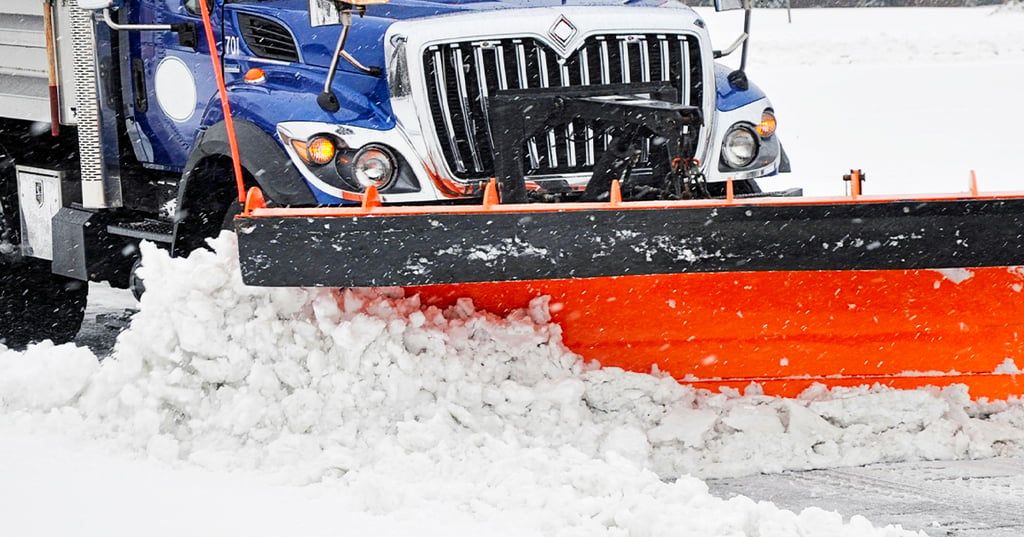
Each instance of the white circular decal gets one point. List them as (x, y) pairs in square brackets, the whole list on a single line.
[(175, 89)]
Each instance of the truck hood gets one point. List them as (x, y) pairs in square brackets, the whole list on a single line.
[(412, 9), (367, 34)]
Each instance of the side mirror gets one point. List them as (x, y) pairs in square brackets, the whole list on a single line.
[(328, 12), (729, 5), (96, 5), (737, 78)]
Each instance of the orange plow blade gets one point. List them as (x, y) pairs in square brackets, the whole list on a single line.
[(915, 292), (789, 330)]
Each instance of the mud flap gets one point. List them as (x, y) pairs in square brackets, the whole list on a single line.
[(510, 243)]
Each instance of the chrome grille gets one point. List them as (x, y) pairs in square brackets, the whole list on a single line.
[(461, 76)]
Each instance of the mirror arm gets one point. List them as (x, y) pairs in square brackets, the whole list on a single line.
[(371, 70), (742, 39), (186, 31), (327, 99), (746, 33), (738, 78), (136, 27)]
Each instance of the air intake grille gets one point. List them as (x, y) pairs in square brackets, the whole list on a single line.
[(267, 39), (460, 77)]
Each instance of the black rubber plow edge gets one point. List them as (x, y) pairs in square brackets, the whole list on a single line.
[(441, 248)]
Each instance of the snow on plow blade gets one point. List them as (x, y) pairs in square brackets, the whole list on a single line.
[(924, 291)]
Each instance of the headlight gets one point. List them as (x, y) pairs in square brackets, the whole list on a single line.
[(740, 147), (374, 165)]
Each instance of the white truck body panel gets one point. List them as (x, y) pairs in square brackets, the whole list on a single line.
[(24, 65)]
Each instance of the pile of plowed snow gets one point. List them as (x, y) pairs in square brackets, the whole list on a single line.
[(408, 406)]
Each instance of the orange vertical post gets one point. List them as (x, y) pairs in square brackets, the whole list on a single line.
[(222, 87)]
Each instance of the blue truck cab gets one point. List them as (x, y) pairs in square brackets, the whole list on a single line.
[(417, 127), (425, 101)]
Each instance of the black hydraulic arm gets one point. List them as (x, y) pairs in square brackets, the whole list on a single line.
[(516, 116)]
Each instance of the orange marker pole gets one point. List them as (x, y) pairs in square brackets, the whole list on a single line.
[(222, 87)]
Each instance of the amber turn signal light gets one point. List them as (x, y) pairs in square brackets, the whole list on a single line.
[(321, 150), (318, 150), (767, 125), (255, 76)]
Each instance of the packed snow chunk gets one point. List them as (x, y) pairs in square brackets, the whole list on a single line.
[(806, 423), (757, 419), (1009, 367), (684, 426), (629, 443), (956, 275), (881, 411), (44, 376)]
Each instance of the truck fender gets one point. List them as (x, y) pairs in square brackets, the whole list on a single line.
[(261, 156), (729, 97)]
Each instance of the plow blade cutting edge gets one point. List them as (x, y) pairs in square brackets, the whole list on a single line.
[(781, 292)]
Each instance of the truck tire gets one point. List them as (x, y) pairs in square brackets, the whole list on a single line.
[(210, 204), (35, 304)]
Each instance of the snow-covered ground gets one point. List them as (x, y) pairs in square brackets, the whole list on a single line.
[(916, 98), (226, 410)]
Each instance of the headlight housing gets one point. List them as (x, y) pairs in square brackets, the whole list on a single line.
[(740, 147), (372, 165), (334, 162)]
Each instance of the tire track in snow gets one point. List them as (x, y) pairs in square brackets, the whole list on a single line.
[(980, 498)]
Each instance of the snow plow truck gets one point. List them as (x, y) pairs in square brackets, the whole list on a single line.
[(592, 151)]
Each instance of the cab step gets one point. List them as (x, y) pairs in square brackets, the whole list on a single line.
[(149, 229)]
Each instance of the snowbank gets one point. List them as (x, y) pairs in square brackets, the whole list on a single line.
[(408, 407), (314, 382)]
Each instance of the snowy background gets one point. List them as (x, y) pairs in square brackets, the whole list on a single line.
[(226, 410), (915, 97)]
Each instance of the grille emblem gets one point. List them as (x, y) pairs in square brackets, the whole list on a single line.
[(562, 32)]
